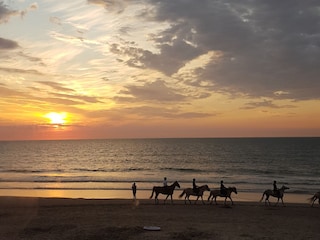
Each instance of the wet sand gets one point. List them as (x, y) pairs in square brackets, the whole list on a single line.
[(59, 218)]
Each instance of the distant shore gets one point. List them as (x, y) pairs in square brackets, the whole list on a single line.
[(65, 218)]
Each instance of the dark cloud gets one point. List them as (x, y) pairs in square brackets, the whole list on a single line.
[(7, 44), (264, 46), (6, 13)]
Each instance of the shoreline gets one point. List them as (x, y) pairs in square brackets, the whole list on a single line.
[(143, 195), (66, 218)]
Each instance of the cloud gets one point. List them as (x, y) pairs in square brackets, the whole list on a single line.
[(145, 112), (22, 71), (78, 97), (156, 91), (6, 13), (56, 86), (265, 46), (8, 44), (117, 6), (265, 103), (7, 92)]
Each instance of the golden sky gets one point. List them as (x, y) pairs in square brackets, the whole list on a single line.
[(159, 68)]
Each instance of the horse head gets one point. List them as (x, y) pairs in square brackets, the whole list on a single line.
[(206, 188), (284, 188), (233, 189), (176, 184)]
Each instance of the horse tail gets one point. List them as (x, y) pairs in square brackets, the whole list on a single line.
[(152, 192), (262, 196), (312, 198), (181, 195)]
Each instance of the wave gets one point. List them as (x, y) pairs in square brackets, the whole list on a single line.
[(192, 170), (73, 170)]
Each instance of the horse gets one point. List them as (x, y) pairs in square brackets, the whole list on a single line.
[(278, 195), (217, 193), (314, 198), (166, 190), (189, 191)]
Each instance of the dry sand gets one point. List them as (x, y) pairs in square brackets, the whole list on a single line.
[(55, 218)]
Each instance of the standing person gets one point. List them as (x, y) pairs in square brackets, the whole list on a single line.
[(194, 186), (165, 183), (134, 190), (223, 189)]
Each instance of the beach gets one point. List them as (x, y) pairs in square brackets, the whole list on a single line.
[(67, 218)]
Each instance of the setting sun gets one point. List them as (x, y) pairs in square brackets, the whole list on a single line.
[(56, 118)]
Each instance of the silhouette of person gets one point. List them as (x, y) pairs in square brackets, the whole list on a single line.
[(165, 183), (134, 190), (275, 188), (223, 189), (194, 186)]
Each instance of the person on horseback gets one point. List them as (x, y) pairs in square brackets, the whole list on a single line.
[(275, 188), (195, 187), (223, 189), (165, 183)]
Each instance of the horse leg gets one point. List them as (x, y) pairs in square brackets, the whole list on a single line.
[(202, 200), (189, 199), (277, 202), (267, 200), (171, 199), (165, 199), (231, 200), (215, 200), (156, 200), (282, 201), (196, 200)]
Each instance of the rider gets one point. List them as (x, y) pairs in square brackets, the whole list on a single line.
[(223, 189), (194, 186), (275, 188), (165, 183)]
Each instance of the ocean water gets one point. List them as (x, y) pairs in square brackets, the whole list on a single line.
[(99, 167)]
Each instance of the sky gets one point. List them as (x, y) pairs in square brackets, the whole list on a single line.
[(86, 69)]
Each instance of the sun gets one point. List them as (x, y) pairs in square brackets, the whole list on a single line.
[(56, 118)]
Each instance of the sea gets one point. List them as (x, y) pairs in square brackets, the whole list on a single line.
[(107, 168)]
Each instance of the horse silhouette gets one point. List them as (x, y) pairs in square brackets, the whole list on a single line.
[(189, 192), (165, 190), (272, 193), (217, 193)]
